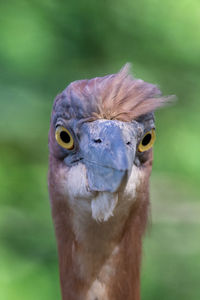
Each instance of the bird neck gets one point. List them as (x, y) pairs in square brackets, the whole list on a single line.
[(105, 263)]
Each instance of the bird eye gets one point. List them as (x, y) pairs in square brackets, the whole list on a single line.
[(64, 138), (147, 141)]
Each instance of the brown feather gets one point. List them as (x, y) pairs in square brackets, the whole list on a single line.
[(122, 97), (118, 96)]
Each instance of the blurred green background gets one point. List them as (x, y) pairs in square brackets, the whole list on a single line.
[(46, 44)]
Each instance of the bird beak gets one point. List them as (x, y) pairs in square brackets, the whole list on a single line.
[(107, 157)]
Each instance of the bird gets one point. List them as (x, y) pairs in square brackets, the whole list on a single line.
[(101, 135)]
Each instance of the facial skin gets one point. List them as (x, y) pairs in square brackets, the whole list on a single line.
[(103, 163)]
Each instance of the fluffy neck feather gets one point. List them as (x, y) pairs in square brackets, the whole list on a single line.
[(105, 262)]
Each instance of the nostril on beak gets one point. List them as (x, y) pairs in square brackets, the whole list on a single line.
[(98, 141)]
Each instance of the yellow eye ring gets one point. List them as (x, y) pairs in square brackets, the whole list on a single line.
[(64, 138), (147, 141)]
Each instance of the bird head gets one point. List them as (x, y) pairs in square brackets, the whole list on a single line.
[(100, 142)]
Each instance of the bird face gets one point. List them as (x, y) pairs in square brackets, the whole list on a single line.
[(100, 162), (101, 135)]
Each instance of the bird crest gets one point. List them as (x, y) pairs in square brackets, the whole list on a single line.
[(117, 96)]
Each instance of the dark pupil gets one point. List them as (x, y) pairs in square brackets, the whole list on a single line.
[(146, 140), (65, 137)]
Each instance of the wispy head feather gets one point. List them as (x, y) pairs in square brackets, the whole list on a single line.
[(118, 96)]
